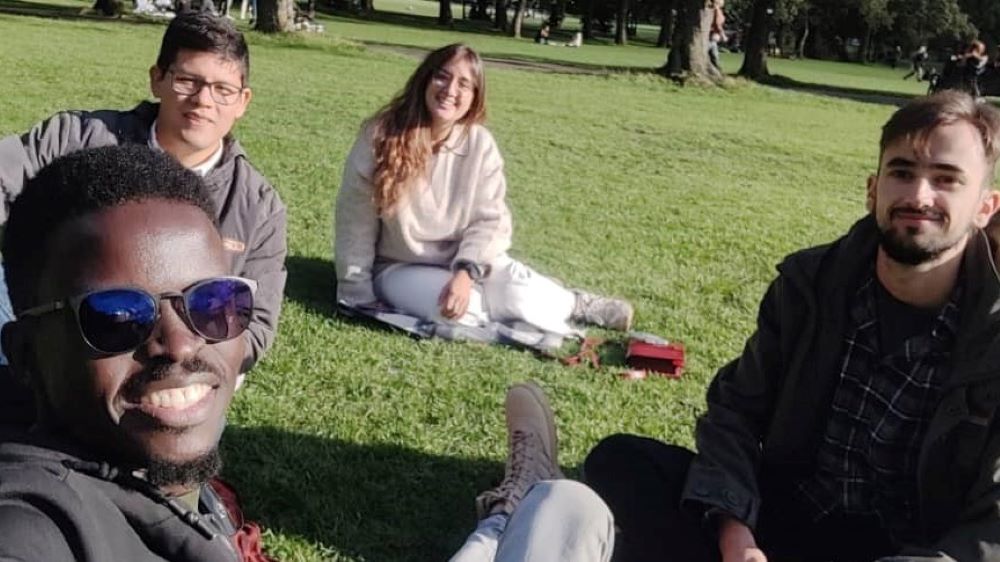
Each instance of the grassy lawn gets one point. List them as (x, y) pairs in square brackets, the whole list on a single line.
[(355, 444)]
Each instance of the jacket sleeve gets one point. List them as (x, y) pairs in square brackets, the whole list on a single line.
[(356, 227), (22, 156), (723, 475), (266, 263), (488, 234), (29, 535)]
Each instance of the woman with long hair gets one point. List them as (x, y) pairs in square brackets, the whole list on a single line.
[(422, 224)]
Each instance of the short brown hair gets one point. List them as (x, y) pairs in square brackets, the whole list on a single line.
[(916, 120)]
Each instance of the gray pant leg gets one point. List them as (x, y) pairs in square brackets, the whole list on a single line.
[(558, 521)]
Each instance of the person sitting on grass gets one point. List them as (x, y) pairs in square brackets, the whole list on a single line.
[(129, 332), (860, 422), (535, 513), (201, 77), (422, 223), (542, 36)]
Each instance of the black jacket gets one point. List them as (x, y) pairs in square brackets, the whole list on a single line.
[(57, 507), (768, 409)]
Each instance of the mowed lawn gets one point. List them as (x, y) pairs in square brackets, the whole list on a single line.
[(351, 443)]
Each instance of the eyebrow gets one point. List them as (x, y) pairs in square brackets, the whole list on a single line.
[(899, 162)]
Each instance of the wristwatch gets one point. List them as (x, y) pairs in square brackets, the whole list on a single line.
[(476, 272)]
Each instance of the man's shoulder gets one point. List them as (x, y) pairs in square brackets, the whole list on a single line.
[(248, 182), (101, 127), (844, 257)]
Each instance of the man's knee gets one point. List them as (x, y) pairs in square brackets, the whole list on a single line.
[(622, 456), (574, 504)]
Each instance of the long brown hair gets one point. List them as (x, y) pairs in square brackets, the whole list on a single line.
[(401, 131)]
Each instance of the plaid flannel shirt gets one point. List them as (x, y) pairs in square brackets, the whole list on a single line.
[(867, 462)]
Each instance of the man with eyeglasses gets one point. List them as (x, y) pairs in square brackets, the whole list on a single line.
[(201, 79), (129, 332)]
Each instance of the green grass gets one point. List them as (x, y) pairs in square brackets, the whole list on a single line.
[(354, 444)]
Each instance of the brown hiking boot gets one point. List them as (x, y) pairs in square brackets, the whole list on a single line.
[(605, 312), (532, 443)]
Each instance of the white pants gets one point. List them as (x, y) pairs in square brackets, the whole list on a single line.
[(557, 521), (511, 292)]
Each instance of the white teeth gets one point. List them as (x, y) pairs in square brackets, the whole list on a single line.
[(176, 398)]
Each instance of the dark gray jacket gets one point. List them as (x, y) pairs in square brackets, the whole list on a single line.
[(56, 507), (767, 410), (251, 216)]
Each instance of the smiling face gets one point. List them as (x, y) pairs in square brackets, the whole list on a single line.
[(166, 401), (927, 202), (450, 93), (190, 126)]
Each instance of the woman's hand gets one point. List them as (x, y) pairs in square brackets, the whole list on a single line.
[(736, 542), (454, 299)]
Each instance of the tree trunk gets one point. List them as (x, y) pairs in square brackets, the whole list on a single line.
[(275, 16), (800, 48), (755, 59), (557, 14), (515, 29), (666, 25), (689, 55), (621, 23), (444, 12), (587, 25), (500, 14), (866, 46)]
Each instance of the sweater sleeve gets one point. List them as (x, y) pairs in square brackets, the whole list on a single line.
[(356, 227), (488, 234)]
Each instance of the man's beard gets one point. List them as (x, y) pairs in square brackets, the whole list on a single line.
[(905, 251), (162, 473)]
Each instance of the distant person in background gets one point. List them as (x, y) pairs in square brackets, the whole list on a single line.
[(542, 36), (973, 63), (422, 223), (917, 61), (717, 33)]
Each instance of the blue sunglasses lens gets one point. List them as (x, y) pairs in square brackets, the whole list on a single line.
[(220, 309), (117, 320)]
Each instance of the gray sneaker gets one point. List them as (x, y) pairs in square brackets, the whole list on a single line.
[(532, 443), (605, 312)]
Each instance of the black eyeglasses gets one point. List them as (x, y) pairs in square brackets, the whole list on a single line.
[(222, 92), (119, 320)]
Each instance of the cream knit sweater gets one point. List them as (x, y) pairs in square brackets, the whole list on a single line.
[(456, 212)]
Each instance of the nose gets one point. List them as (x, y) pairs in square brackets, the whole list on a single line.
[(923, 191), (172, 338), (204, 95), (452, 87)]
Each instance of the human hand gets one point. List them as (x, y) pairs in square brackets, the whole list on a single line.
[(736, 542), (454, 298)]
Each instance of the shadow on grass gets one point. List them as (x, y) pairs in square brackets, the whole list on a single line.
[(854, 94), (377, 502), (312, 282)]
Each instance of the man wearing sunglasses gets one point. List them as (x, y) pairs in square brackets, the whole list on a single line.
[(129, 332), (201, 79)]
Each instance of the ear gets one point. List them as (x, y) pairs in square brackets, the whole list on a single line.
[(156, 77), (870, 192), (245, 96), (988, 206)]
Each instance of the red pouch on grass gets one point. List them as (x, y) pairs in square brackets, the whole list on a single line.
[(662, 357)]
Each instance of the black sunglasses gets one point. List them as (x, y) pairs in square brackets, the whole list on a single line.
[(119, 320)]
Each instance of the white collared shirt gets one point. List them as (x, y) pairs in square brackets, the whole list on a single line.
[(201, 169)]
